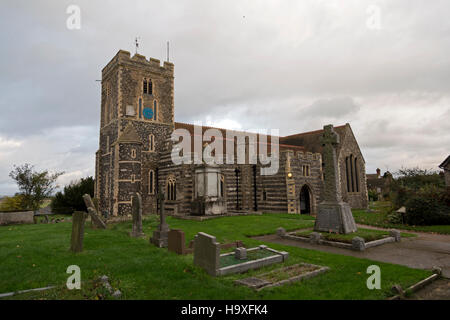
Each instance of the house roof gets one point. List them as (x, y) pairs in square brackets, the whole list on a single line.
[(445, 163)]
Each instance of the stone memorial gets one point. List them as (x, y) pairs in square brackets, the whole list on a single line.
[(176, 241), (78, 219), (93, 212), (206, 253), (160, 236), (136, 210), (334, 215)]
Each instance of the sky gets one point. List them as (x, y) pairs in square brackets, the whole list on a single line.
[(382, 66)]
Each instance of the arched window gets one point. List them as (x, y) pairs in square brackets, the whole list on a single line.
[(171, 188), (151, 182), (140, 108), (133, 153), (155, 108), (145, 86), (351, 170), (151, 142), (150, 87), (222, 186)]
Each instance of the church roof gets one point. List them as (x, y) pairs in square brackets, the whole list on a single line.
[(311, 140), (190, 127)]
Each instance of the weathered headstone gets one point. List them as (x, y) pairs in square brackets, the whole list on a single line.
[(333, 213), (396, 235), (206, 252), (314, 237), (358, 244), (176, 241), (93, 212), (136, 210), (78, 219), (160, 236), (281, 232)]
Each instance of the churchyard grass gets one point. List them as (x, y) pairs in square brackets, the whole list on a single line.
[(379, 218), (35, 256)]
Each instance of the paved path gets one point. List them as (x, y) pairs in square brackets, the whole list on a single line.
[(422, 252)]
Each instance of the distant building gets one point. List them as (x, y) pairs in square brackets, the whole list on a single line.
[(446, 167), (381, 184)]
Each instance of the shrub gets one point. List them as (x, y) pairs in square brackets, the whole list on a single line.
[(373, 195), (71, 199), (428, 206)]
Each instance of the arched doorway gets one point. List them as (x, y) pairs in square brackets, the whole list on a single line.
[(305, 200)]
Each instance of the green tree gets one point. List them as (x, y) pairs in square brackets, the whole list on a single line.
[(12, 203), (34, 185), (71, 199)]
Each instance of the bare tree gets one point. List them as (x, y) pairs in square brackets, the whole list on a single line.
[(35, 186)]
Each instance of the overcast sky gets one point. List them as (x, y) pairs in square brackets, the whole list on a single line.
[(382, 66)]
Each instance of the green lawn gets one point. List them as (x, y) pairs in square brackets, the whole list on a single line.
[(367, 234), (379, 219), (34, 256)]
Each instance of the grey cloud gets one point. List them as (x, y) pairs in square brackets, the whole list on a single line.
[(292, 65)]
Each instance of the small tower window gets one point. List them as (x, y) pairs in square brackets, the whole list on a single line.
[(133, 153), (140, 108), (150, 87), (155, 108), (151, 182), (151, 142), (145, 86)]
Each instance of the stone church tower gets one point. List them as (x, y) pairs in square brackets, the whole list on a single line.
[(137, 116)]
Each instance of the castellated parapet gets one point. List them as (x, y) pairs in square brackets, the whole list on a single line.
[(124, 57)]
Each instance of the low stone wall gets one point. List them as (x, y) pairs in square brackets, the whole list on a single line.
[(22, 217), (357, 244)]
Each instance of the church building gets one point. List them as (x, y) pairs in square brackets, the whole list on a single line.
[(136, 155)]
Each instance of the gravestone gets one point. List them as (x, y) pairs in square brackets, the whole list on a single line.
[(93, 212), (176, 241), (358, 244), (78, 219), (334, 215), (160, 236), (206, 252), (136, 210)]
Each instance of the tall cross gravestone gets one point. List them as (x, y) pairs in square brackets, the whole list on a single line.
[(136, 210), (333, 214), (160, 236)]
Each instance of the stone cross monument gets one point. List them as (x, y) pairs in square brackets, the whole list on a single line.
[(160, 236), (136, 209), (333, 214)]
